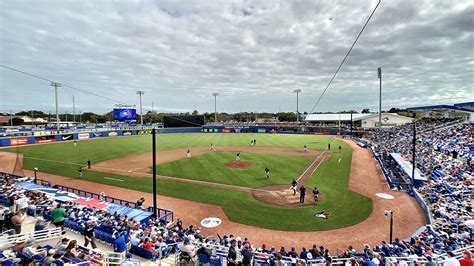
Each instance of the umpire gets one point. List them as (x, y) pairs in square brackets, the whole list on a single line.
[(302, 193)]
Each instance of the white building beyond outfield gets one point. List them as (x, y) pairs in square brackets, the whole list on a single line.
[(359, 120)]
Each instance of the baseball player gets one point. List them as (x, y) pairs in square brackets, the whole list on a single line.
[(188, 154), (251, 142), (75, 143), (237, 158), (294, 184), (340, 148), (212, 147), (305, 148), (267, 172), (80, 171)]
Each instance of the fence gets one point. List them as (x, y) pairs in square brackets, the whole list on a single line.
[(43, 235), (85, 193)]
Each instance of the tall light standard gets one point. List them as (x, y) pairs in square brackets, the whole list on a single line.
[(390, 213), (141, 110), (379, 76), (215, 94), (56, 85), (297, 103)]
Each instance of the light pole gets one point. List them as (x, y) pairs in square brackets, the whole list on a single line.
[(379, 76), (35, 170), (56, 85), (297, 103), (215, 94), (390, 213), (413, 153), (141, 110)]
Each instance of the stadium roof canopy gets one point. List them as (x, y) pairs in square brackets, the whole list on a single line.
[(334, 117), (466, 107)]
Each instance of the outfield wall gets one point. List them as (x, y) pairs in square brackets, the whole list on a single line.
[(27, 140)]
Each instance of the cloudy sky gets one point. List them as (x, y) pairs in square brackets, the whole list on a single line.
[(253, 53)]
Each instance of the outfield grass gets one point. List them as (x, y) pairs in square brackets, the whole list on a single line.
[(210, 167), (346, 208)]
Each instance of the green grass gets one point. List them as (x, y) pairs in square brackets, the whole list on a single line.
[(210, 167), (346, 208)]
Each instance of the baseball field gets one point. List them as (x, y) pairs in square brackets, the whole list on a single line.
[(241, 189)]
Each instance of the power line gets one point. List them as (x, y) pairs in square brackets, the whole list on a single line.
[(345, 57), (64, 85)]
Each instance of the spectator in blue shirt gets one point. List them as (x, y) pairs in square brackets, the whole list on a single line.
[(119, 244)]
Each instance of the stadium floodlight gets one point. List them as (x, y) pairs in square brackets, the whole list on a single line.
[(56, 85), (140, 93), (379, 76), (297, 103), (215, 94)]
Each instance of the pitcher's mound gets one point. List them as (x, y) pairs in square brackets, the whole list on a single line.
[(238, 164)]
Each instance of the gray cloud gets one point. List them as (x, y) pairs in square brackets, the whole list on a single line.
[(254, 53)]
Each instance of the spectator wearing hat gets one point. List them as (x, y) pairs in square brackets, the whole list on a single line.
[(48, 260), (467, 259), (127, 261)]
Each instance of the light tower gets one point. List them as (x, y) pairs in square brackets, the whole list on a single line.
[(140, 93), (215, 94), (297, 103)]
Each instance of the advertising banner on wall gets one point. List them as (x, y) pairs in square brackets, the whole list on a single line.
[(144, 132), (112, 134), (67, 137), (18, 141), (83, 135), (45, 139), (127, 133)]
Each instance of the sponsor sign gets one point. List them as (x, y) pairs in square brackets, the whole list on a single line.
[(44, 140), (18, 141), (226, 130), (97, 135), (211, 222), (67, 137), (112, 134), (144, 132), (127, 133), (83, 135)]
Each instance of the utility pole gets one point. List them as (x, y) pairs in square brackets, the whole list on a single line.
[(141, 110), (297, 103), (351, 124), (215, 94), (379, 75), (152, 107), (11, 118), (56, 85), (32, 118), (73, 110)]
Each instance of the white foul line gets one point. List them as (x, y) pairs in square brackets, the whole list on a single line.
[(115, 179)]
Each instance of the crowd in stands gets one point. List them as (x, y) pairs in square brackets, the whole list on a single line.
[(444, 154)]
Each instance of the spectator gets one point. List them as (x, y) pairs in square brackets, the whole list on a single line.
[(17, 221), (22, 203), (59, 215), (61, 247), (89, 236), (247, 255), (451, 260), (467, 259), (127, 261), (119, 244), (3, 212), (232, 254), (48, 260)]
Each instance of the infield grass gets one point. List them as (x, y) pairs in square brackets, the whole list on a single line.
[(346, 208), (211, 167)]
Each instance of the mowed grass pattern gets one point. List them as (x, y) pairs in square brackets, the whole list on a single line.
[(211, 167), (346, 208)]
